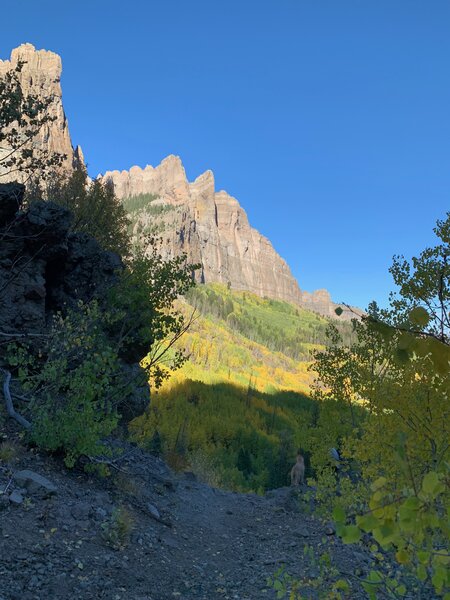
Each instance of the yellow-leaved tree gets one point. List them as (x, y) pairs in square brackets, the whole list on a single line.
[(391, 483)]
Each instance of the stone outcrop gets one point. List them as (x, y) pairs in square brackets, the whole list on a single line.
[(213, 230), (46, 268), (40, 76)]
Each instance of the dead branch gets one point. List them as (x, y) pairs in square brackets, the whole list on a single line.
[(9, 403)]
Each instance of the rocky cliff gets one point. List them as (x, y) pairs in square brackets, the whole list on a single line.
[(40, 76), (212, 228), (209, 225)]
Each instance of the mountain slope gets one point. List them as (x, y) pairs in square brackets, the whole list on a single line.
[(238, 410), (241, 338)]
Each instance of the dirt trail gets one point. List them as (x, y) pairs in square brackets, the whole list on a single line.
[(188, 541)]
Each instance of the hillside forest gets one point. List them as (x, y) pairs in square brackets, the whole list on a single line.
[(238, 384)]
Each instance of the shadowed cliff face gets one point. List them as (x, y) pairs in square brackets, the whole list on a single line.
[(40, 76), (45, 269), (213, 229)]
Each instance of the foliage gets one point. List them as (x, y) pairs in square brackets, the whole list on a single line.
[(396, 488), (219, 352), (73, 384), (117, 530), (320, 577), (424, 287), (9, 451), (22, 117), (143, 210), (96, 209), (236, 439), (278, 325), (413, 524), (136, 203), (237, 411), (144, 300)]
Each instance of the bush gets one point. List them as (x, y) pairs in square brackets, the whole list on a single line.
[(117, 530), (94, 205), (73, 382)]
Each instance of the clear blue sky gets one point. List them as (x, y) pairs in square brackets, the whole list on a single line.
[(329, 120)]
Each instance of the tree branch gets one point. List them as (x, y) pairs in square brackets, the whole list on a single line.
[(9, 403)]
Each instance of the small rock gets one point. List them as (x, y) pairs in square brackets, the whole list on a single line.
[(101, 513), (154, 512), (16, 498), (80, 511), (34, 482)]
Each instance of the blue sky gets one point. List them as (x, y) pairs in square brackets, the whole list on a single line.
[(328, 120)]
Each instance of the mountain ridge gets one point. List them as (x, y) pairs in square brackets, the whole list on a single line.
[(210, 226), (213, 229)]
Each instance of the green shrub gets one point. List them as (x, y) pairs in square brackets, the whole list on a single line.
[(73, 384), (117, 530)]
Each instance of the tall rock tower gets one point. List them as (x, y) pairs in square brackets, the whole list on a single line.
[(40, 76)]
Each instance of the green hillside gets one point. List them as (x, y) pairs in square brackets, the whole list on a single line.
[(238, 410), (243, 339), (278, 325)]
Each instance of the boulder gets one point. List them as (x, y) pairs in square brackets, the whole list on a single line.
[(33, 482)]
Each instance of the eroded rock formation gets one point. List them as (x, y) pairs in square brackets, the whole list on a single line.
[(40, 76), (209, 225), (213, 229)]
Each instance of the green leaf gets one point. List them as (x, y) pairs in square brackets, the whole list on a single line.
[(421, 572), (431, 484), (423, 557), (375, 577), (412, 503), (367, 522), (419, 316), (370, 590), (351, 534), (402, 557), (278, 585), (339, 514), (439, 577), (338, 311), (341, 584), (378, 483)]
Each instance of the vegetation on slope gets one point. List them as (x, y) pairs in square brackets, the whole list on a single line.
[(233, 437), (238, 411), (145, 212)]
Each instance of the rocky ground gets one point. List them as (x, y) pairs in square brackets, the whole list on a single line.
[(145, 533)]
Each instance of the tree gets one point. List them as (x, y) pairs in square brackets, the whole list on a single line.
[(96, 209), (424, 295), (399, 370), (144, 297), (22, 116)]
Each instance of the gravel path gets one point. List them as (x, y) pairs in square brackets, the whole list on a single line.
[(187, 541)]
